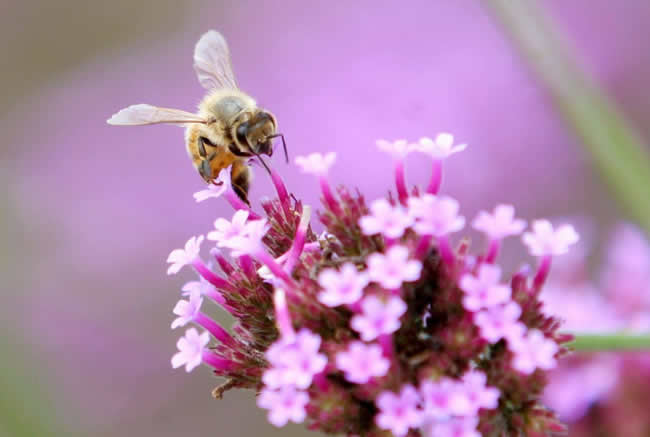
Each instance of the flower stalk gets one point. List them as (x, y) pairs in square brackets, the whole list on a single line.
[(610, 342), (614, 145)]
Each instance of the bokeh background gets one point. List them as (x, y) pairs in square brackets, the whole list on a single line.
[(91, 211)]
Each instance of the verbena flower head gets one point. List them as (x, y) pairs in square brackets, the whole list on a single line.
[(381, 326)]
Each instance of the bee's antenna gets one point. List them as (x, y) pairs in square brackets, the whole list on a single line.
[(263, 163), (284, 146)]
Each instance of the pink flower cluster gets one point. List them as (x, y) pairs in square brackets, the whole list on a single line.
[(382, 324)]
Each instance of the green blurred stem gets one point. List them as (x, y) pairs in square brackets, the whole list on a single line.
[(610, 342), (615, 147)]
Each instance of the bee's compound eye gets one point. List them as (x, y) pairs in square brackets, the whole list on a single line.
[(242, 130)]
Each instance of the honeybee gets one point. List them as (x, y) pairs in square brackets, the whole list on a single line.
[(228, 129)]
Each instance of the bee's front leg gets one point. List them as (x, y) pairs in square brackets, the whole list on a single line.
[(205, 170)]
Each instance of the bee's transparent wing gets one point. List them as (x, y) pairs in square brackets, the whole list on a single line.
[(212, 62), (136, 115)]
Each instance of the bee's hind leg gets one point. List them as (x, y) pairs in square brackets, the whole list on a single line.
[(241, 193), (240, 177)]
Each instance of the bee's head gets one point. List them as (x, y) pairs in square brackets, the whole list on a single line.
[(255, 134)]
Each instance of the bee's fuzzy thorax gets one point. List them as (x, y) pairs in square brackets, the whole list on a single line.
[(208, 103)]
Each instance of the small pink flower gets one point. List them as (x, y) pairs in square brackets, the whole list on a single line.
[(544, 240), (182, 257), (397, 149), (500, 224), (344, 286), (377, 317), (393, 268), (453, 427), (386, 219), (202, 287), (249, 240), (484, 290), (533, 351), (497, 322), (437, 216), (225, 230), (186, 310), (440, 148), (284, 405), (515, 332), (360, 362), (294, 361), (316, 163), (191, 348), (437, 397), (217, 189), (473, 395), (399, 412)]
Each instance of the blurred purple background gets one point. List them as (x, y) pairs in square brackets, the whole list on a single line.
[(92, 210)]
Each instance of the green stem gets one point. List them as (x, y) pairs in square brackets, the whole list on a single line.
[(615, 147), (610, 342)]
